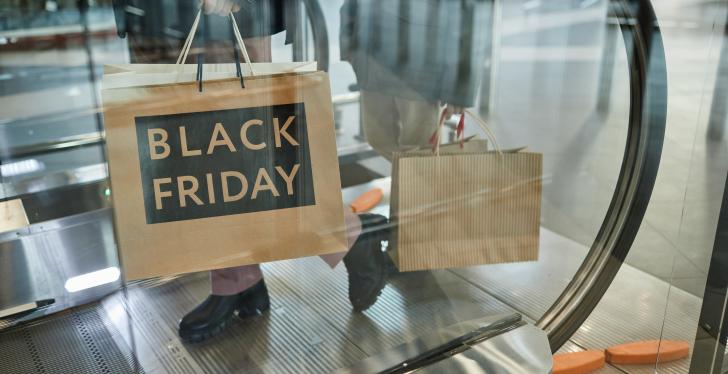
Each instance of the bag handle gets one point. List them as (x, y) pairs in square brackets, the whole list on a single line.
[(236, 35), (435, 138), (239, 38), (188, 41), (484, 126)]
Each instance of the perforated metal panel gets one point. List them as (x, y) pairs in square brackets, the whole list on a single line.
[(77, 342)]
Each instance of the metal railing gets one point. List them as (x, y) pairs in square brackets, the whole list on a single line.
[(646, 132)]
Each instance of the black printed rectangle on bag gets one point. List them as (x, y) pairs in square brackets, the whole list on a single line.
[(223, 162)]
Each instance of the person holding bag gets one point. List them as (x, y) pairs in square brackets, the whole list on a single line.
[(467, 206), (241, 290), (410, 58)]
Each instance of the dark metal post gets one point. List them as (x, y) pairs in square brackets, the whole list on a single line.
[(298, 47), (606, 67), (710, 339), (489, 63), (83, 8), (719, 106)]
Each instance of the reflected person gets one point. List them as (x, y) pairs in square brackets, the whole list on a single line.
[(410, 58)]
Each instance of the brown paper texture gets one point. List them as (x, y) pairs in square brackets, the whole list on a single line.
[(465, 209), (149, 250)]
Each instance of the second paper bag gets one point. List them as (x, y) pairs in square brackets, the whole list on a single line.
[(462, 209)]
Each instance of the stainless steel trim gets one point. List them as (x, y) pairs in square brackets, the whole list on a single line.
[(522, 350), (399, 357), (12, 189), (50, 205), (65, 143), (637, 177), (35, 264)]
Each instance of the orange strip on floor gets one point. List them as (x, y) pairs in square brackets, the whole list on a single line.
[(645, 352), (578, 362), (367, 200)]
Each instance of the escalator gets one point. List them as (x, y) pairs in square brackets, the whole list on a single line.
[(118, 327)]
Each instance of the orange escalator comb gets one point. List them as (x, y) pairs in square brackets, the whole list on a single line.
[(646, 352), (367, 200), (578, 362)]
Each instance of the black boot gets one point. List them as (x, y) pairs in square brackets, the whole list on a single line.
[(253, 301), (366, 263), (215, 313)]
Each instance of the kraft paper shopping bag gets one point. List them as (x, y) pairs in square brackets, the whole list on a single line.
[(214, 173), (463, 208)]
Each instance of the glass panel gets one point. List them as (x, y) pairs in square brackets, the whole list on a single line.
[(490, 158), (684, 215)]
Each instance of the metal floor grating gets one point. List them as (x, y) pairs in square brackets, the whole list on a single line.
[(75, 342), (311, 327)]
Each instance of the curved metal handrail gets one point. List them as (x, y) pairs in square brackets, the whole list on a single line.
[(647, 116)]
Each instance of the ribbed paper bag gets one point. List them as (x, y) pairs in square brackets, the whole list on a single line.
[(462, 209)]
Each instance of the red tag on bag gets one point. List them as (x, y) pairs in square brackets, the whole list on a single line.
[(435, 138), (460, 130)]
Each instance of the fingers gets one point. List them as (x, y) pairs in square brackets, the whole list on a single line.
[(452, 109), (208, 6), (226, 8), (219, 7)]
